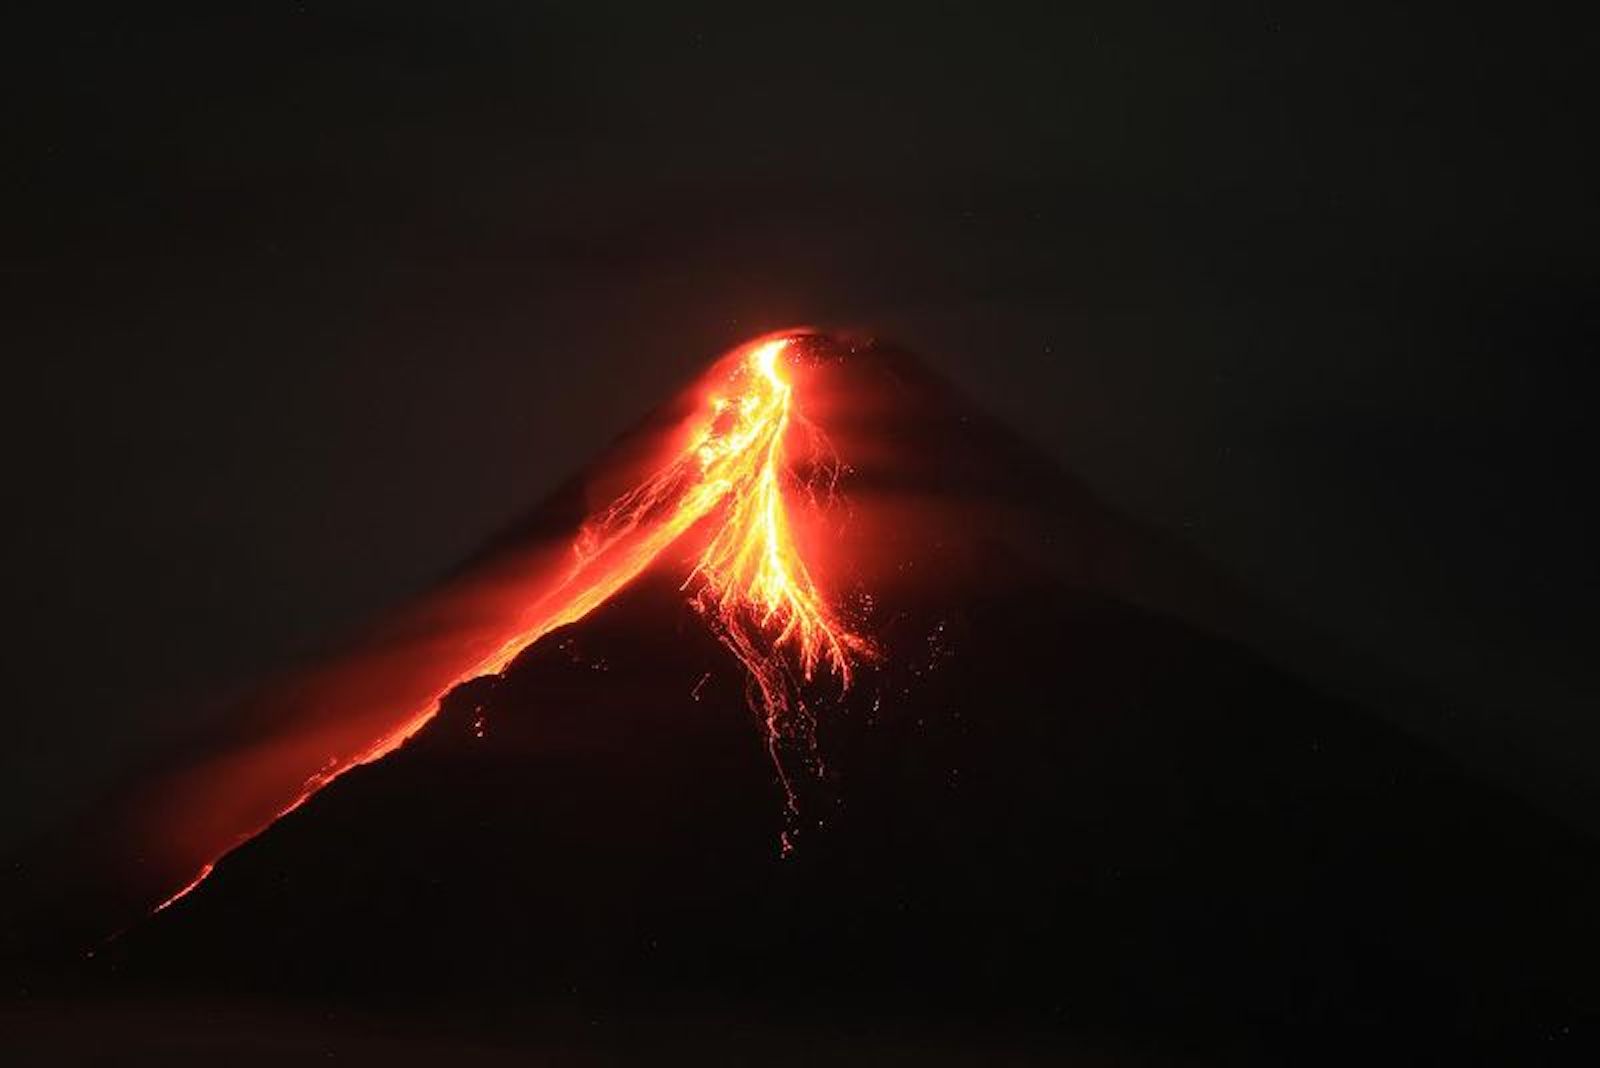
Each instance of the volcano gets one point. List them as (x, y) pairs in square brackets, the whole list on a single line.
[(933, 736)]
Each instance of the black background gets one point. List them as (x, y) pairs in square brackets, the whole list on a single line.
[(308, 299)]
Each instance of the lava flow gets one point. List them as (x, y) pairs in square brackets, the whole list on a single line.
[(749, 582)]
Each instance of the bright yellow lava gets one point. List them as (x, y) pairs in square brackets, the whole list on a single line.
[(753, 581)]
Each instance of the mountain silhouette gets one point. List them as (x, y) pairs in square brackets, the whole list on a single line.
[(1057, 797)]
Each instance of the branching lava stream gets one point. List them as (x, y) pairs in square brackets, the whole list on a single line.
[(749, 582)]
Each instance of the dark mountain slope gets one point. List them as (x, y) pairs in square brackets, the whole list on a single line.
[(1063, 809), (1048, 805)]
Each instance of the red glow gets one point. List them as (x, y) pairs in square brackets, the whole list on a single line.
[(183, 891), (749, 582)]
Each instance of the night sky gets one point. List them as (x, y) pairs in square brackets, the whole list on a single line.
[(307, 302)]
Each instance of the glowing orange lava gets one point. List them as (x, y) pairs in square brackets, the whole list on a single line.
[(749, 582)]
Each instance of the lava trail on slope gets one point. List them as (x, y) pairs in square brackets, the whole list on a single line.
[(720, 481)]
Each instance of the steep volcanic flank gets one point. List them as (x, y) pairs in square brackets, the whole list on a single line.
[(1038, 801)]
